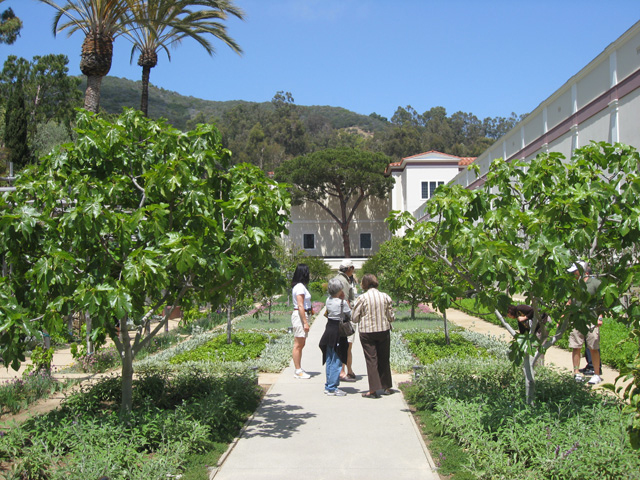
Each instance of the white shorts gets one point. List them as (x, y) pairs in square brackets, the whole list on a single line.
[(350, 338), (296, 323)]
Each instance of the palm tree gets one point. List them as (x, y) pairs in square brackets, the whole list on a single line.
[(101, 21), (158, 24)]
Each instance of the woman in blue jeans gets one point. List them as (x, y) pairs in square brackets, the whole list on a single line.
[(334, 347)]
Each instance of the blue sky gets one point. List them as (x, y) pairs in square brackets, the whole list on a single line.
[(489, 57)]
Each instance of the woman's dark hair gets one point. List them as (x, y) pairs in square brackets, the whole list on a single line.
[(301, 275), (369, 281), (512, 311)]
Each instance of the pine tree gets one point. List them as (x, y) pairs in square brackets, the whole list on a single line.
[(16, 127)]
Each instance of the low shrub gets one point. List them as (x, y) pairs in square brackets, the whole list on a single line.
[(431, 346), (174, 417), (243, 346), (571, 432), (100, 361), (429, 321), (400, 357), (318, 287), (19, 393)]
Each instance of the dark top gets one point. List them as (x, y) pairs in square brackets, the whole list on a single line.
[(527, 311), (331, 338)]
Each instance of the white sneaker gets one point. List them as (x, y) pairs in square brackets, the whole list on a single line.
[(595, 380), (578, 377), (336, 393), (301, 374)]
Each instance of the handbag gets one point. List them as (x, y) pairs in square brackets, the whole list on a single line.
[(345, 328)]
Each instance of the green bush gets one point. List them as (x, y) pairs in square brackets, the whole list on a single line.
[(100, 361), (18, 393), (319, 270), (243, 346), (571, 432), (431, 346), (318, 287), (174, 417)]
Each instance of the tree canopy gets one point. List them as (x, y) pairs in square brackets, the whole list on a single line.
[(530, 221), (49, 93), (160, 24), (10, 26), (101, 21), (338, 181), (133, 217)]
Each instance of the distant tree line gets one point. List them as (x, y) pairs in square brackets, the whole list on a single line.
[(266, 137)]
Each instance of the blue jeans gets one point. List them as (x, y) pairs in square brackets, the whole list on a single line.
[(333, 368)]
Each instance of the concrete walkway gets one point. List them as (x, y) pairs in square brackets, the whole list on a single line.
[(300, 433)]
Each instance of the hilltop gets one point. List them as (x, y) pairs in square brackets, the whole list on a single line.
[(178, 109)]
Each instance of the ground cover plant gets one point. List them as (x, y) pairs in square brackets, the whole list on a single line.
[(243, 346), (570, 432), (19, 393), (431, 346), (423, 317), (189, 412)]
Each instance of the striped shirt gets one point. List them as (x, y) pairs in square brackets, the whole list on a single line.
[(373, 311)]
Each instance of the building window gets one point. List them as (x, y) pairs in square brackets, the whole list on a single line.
[(365, 241), (309, 241), (428, 189)]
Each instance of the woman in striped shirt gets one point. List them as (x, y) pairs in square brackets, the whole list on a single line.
[(373, 312)]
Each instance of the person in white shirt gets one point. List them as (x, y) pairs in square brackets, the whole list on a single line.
[(302, 311)]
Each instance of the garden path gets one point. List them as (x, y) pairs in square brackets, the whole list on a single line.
[(298, 432), (62, 359)]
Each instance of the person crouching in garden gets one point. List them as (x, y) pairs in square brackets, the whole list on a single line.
[(373, 311), (334, 347)]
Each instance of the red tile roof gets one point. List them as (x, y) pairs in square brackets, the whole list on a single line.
[(466, 160), (462, 161)]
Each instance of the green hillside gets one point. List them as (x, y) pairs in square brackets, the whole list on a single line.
[(117, 93)]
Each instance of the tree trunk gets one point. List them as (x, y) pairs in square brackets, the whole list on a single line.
[(70, 324), (229, 316), (87, 321), (92, 93), (413, 311), (144, 97), (127, 370), (345, 241), (529, 378), (446, 328)]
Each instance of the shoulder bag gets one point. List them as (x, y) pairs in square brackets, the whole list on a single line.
[(345, 328)]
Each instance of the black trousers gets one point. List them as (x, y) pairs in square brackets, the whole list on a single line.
[(377, 348)]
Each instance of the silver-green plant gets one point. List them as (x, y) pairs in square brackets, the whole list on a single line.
[(401, 359)]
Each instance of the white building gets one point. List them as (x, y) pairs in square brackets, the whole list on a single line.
[(601, 102), (418, 176), (313, 230)]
